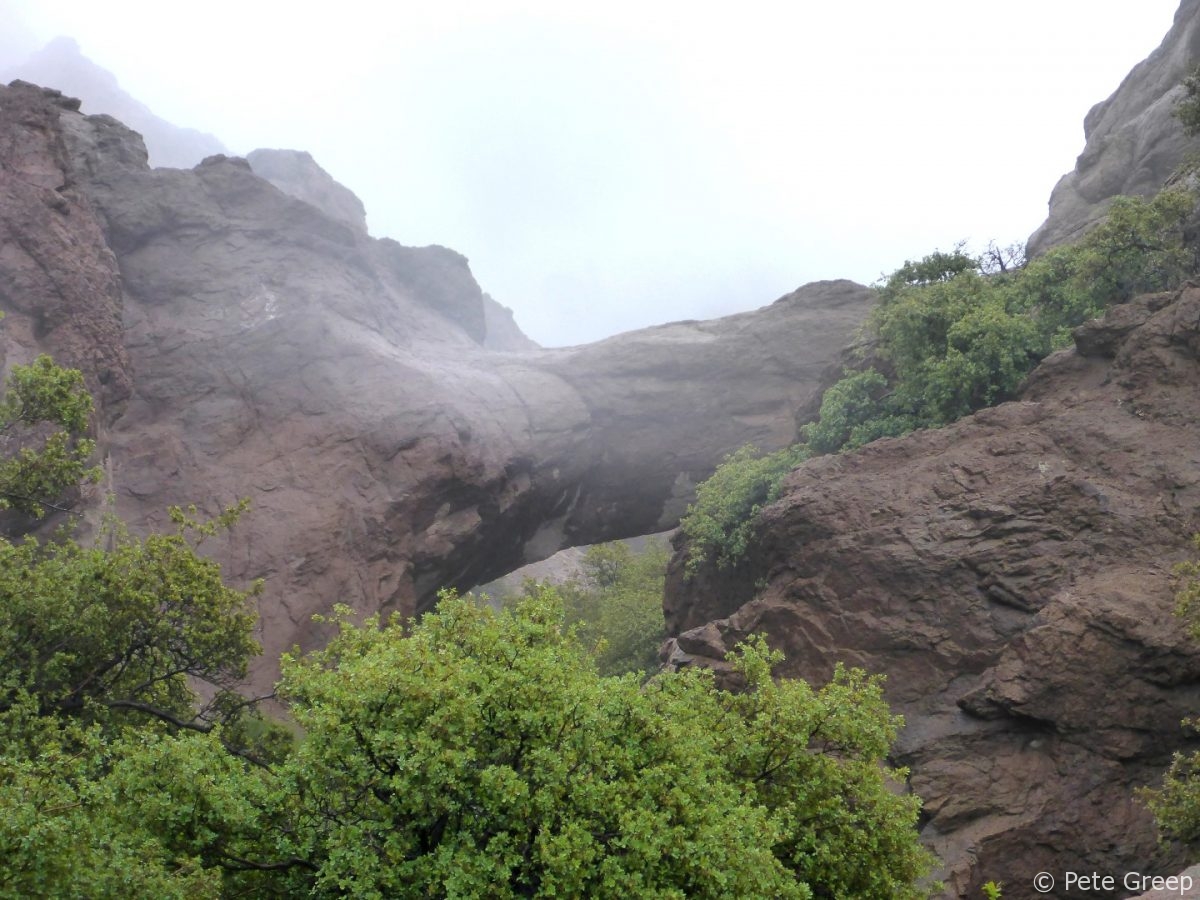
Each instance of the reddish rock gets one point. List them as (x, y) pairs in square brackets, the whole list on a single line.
[(339, 382), (1011, 575)]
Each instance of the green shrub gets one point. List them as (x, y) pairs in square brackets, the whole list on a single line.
[(952, 334), (476, 754), (718, 525), (617, 605)]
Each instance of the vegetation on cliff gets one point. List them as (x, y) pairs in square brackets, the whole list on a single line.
[(470, 754), (1176, 805), (953, 333)]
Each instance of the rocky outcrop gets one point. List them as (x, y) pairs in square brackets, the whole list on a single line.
[(1133, 143), (339, 382), (61, 65), (297, 174), (1011, 575), (501, 330), (60, 286)]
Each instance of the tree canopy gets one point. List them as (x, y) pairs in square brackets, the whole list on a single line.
[(471, 753)]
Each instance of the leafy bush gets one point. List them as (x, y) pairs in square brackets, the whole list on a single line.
[(952, 334), (1187, 110), (1176, 805), (482, 755), (616, 606), (719, 524)]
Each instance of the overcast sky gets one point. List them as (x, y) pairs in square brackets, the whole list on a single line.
[(614, 164)]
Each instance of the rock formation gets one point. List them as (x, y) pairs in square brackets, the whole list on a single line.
[(1133, 142), (297, 174), (267, 350), (1011, 575), (501, 330), (61, 65)]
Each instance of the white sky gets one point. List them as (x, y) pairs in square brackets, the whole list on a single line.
[(617, 164)]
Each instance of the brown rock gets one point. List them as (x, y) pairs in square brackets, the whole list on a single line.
[(339, 383), (1011, 575), (59, 282)]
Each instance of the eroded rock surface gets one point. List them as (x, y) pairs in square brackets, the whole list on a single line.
[(270, 351), (1011, 575), (62, 65), (297, 174), (1133, 143)]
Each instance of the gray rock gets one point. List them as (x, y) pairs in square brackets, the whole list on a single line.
[(339, 382), (61, 65), (502, 330), (297, 174), (1133, 142)]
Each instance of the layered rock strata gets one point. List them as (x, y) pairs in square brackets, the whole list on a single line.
[(1012, 576)]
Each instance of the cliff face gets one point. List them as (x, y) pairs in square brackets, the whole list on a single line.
[(1011, 575), (1133, 143), (297, 174), (259, 348), (61, 65)]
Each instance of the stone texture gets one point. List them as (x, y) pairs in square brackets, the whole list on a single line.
[(297, 174), (1132, 142), (60, 285), (61, 65), (501, 330), (1011, 575), (339, 382)]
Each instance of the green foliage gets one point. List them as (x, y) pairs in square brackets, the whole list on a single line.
[(952, 334), (616, 607), (112, 780), (853, 413), (1187, 110), (482, 755), (470, 754), (1176, 805), (49, 406), (992, 890), (719, 524), (121, 631), (957, 339)]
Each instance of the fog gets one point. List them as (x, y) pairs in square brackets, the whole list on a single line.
[(623, 164)]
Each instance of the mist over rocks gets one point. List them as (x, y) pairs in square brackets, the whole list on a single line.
[(1133, 143), (62, 65), (297, 174), (274, 352)]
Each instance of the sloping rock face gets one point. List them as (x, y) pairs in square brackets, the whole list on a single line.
[(1133, 142), (501, 330), (270, 351), (61, 65), (61, 283), (1011, 575), (297, 174)]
